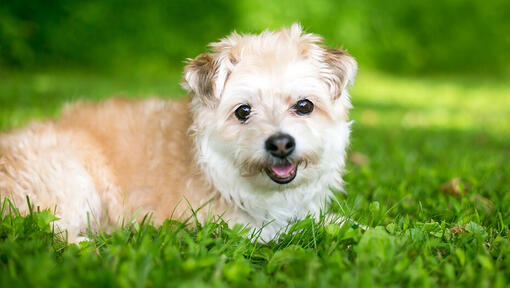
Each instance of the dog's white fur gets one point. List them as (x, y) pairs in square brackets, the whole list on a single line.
[(117, 157)]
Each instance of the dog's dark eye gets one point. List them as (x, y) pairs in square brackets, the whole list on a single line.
[(243, 112), (303, 107)]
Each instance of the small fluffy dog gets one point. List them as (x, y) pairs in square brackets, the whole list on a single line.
[(261, 142)]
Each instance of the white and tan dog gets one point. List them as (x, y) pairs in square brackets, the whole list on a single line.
[(261, 142)]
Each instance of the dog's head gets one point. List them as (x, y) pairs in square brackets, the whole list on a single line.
[(272, 106)]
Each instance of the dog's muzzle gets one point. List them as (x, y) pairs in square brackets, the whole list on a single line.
[(281, 146)]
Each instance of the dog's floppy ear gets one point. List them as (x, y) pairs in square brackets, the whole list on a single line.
[(342, 69), (199, 75), (205, 76)]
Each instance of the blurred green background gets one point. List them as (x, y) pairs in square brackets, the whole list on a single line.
[(431, 99), (154, 37)]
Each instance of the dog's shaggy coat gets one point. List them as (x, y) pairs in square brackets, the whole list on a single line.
[(120, 158)]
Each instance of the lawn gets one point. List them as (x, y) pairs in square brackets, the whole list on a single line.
[(428, 172)]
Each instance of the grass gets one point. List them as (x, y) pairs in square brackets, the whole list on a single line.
[(410, 137)]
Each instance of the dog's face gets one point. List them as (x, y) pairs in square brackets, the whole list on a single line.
[(270, 105)]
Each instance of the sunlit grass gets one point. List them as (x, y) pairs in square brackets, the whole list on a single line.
[(454, 103)]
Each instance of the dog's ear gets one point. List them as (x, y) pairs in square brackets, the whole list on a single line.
[(339, 68), (200, 77), (205, 76), (342, 69)]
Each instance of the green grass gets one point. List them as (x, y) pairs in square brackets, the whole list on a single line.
[(410, 136)]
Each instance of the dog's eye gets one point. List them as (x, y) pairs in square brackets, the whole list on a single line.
[(303, 107), (243, 112)]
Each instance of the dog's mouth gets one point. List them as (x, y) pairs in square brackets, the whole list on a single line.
[(282, 173)]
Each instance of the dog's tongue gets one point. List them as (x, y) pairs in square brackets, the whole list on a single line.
[(282, 170)]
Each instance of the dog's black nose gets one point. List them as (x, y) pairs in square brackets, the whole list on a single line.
[(280, 145)]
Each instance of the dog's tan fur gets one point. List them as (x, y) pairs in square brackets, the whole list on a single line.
[(148, 146), (119, 158), (141, 147)]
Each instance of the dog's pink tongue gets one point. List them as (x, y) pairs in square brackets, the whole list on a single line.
[(282, 170)]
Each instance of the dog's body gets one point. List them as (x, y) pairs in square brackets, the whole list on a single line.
[(261, 142)]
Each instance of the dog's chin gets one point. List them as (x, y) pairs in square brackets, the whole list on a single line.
[(282, 173)]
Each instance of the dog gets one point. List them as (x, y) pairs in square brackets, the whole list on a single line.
[(261, 141)]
